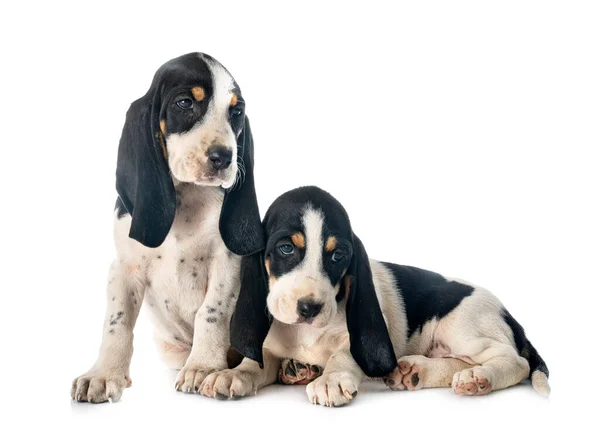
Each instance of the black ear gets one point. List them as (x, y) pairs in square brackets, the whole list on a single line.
[(370, 343), (143, 181), (250, 321), (239, 224)]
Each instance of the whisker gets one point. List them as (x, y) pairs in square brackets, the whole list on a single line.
[(240, 175)]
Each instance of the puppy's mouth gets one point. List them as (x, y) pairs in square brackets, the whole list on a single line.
[(302, 320), (224, 179)]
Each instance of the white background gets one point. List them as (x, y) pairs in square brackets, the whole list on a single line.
[(462, 137)]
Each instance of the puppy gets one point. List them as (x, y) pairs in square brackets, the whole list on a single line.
[(317, 298), (186, 212)]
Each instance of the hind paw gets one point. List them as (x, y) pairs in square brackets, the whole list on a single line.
[(408, 375), (472, 382), (293, 372)]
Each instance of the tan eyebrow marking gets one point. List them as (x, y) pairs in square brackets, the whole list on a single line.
[(198, 93), (234, 100), (298, 240), (268, 266), (331, 244), (163, 126)]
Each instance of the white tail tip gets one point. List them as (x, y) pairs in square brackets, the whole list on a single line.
[(539, 381)]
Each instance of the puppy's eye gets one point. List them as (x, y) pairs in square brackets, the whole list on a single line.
[(185, 104), (286, 249), (236, 112), (337, 256)]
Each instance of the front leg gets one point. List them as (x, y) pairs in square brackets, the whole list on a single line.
[(244, 380), (211, 324), (109, 376), (340, 381)]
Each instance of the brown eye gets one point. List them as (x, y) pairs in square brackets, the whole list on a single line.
[(337, 256), (185, 104), (286, 249), (236, 112)]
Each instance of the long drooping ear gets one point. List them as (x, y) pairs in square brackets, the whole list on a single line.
[(143, 181), (239, 224), (250, 321), (370, 343)]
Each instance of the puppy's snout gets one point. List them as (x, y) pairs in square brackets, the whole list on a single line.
[(308, 309), (219, 157)]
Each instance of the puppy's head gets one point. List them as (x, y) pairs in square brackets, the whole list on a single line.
[(309, 248), (201, 116), (313, 267), (189, 127)]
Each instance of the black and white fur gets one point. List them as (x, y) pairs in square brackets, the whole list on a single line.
[(314, 296), (186, 212)]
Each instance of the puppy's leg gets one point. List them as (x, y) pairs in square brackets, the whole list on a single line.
[(211, 326), (500, 367), (244, 380), (108, 377), (339, 383), (418, 372)]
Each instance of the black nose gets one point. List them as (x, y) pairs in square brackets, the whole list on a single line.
[(308, 309), (219, 157)]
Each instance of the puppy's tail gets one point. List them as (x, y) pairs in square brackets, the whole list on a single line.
[(538, 372)]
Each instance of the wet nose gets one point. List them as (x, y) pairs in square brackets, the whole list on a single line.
[(308, 309), (219, 157)]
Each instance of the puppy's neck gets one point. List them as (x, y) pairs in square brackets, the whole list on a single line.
[(193, 199)]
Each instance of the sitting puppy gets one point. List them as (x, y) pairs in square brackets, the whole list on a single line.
[(186, 210), (326, 299)]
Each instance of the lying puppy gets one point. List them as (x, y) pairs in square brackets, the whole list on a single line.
[(186, 209), (326, 299)]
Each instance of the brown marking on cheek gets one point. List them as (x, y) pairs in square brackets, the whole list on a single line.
[(198, 93), (298, 240), (161, 140), (234, 100), (163, 126), (347, 284), (331, 244), (268, 266), (343, 288)]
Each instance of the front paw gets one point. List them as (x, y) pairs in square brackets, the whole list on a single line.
[(99, 386), (333, 389), (229, 384), (190, 378)]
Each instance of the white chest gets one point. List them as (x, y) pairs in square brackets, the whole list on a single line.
[(306, 343), (175, 276)]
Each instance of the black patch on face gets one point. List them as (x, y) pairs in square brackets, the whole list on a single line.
[(427, 295), (524, 347), (280, 263)]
